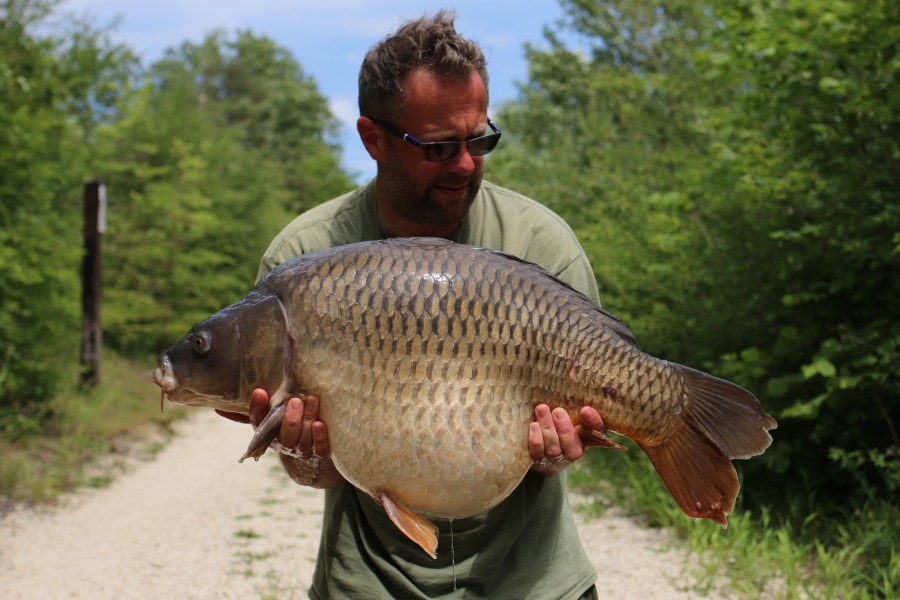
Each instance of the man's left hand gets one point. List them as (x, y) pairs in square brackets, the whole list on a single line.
[(553, 441)]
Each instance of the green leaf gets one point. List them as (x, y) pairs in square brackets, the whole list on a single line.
[(805, 410), (820, 366)]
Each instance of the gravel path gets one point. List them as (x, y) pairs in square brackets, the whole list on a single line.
[(193, 523)]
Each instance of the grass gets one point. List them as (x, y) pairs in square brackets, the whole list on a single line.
[(247, 534), (804, 549), (46, 454)]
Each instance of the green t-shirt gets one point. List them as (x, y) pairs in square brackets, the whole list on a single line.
[(527, 546)]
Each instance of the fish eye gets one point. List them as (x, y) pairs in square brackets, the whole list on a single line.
[(200, 342)]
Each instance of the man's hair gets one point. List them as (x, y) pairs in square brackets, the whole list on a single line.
[(430, 43)]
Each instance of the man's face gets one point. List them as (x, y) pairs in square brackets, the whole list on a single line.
[(435, 109)]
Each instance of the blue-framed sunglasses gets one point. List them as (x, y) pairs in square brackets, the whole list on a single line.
[(444, 151)]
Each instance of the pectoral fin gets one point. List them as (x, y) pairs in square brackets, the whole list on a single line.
[(597, 439), (415, 526), (265, 433)]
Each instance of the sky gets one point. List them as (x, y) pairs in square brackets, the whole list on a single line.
[(330, 37)]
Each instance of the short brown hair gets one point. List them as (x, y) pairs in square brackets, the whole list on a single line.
[(432, 43)]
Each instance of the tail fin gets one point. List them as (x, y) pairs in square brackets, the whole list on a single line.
[(722, 422), (730, 416)]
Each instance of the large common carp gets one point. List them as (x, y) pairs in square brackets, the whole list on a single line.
[(429, 357)]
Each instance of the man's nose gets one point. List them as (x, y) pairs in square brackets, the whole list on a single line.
[(463, 162)]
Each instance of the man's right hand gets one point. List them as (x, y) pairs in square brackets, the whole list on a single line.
[(302, 431)]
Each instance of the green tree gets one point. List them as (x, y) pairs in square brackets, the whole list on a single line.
[(259, 88), (54, 87), (732, 170), (211, 156), (817, 172), (614, 135)]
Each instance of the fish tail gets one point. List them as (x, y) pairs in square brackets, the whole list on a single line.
[(722, 421)]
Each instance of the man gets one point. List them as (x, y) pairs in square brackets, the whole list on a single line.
[(423, 98)]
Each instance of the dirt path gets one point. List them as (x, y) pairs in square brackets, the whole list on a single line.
[(193, 523)]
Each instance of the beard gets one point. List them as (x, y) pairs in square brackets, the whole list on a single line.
[(420, 203)]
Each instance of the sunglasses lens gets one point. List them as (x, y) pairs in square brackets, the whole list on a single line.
[(483, 145), (444, 151), (441, 151)]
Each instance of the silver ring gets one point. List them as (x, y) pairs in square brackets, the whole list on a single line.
[(546, 462)]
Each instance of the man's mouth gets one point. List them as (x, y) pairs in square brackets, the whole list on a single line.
[(454, 187)]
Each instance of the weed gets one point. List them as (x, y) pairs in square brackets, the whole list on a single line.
[(99, 481), (247, 534), (251, 557), (40, 459)]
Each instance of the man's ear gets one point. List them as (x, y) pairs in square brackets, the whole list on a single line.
[(371, 137)]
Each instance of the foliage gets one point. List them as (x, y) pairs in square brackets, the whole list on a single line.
[(820, 168)]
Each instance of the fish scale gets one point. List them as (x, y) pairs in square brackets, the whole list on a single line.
[(428, 358)]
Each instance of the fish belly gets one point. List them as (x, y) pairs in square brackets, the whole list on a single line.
[(450, 443)]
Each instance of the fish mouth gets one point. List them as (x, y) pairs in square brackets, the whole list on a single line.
[(164, 377)]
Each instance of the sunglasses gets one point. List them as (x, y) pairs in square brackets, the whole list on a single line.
[(444, 151)]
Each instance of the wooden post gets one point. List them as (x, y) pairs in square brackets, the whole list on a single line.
[(94, 226)]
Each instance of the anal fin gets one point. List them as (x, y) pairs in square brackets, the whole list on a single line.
[(416, 527)]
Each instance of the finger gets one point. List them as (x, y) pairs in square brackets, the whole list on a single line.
[(259, 406), (569, 441), (535, 442), (310, 415), (543, 417), (289, 435), (234, 416), (591, 419), (320, 439)]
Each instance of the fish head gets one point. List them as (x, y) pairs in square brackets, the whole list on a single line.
[(224, 357)]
